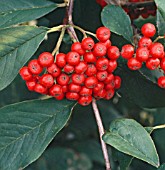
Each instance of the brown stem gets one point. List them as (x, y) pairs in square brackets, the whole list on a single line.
[(70, 29), (101, 132), (139, 4)]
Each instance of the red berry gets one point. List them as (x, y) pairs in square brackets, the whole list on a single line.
[(78, 78), (162, 64), (117, 82), (99, 86), (134, 64), (142, 54), (31, 84), (25, 73), (85, 100), (68, 69), (101, 2), (63, 79), (113, 53), (109, 86), (60, 97), (72, 96), (34, 67), (152, 63), (65, 88), (102, 64), (47, 80), (89, 57), (107, 43), (148, 30), (81, 67), (99, 49), (100, 94), (45, 59), (109, 94), (40, 89), (60, 60), (74, 87), (145, 15), (91, 82), (85, 91), (87, 43), (76, 47), (55, 90), (101, 75), (127, 51), (110, 80), (112, 65), (161, 81), (145, 42), (54, 70), (73, 58), (157, 50), (91, 70), (103, 34)]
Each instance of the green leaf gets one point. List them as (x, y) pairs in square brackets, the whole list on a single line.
[(162, 167), (60, 158), (27, 128), (160, 21), (161, 7), (15, 12), (128, 136), (117, 21), (17, 45), (140, 86)]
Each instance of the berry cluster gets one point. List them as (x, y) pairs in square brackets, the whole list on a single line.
[(145, 12), (148, 52), (84, 72)]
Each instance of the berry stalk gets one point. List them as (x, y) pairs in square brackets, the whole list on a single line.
[(59, 41), (101, 132)]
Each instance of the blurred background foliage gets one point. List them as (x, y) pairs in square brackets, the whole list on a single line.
[(77, 146)]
